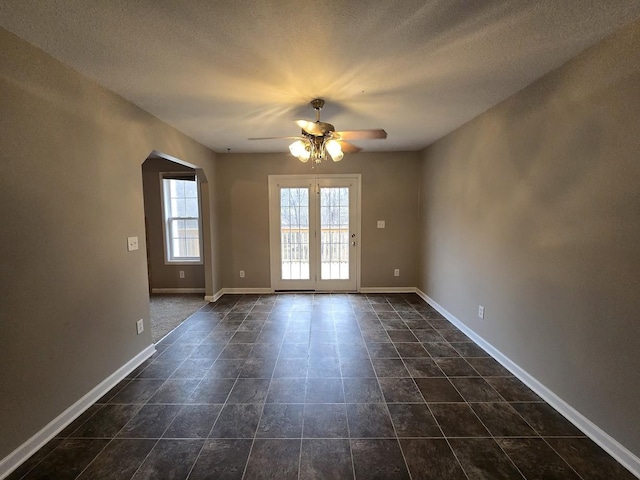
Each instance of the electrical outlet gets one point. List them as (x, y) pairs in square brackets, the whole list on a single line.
[(132, 243), (381, 224), (480, 311), (241, 273), (181, 272), (140, 326), (396, 272)]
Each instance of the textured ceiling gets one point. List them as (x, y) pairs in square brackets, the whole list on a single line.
[(222, 71)]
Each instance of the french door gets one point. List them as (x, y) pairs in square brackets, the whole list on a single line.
[(314, 230)]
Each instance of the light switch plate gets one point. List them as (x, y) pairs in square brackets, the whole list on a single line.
[(132, 243), (380, 223)]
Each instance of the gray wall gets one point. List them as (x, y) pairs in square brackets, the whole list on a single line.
[(163, 275), (390, 192), (71, 194), (533, 210)]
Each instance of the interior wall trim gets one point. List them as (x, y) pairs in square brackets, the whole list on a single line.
[(246, 291), (215, 297), (177, 290), (591, 430), (236, 291), (387, 290), (265, 291), (37, 441)]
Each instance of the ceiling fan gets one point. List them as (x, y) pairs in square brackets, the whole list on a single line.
[(319, 139)]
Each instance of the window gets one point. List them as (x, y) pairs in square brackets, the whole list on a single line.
[(181, 206)]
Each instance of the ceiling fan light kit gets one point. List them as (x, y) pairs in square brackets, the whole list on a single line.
[(317, 148), (301, 150), (334, 149), (319, 140)]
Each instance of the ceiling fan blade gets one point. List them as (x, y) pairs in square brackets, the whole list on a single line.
[(349, 147), (362, 134), (271, 138), (316, 129), (305, 125)]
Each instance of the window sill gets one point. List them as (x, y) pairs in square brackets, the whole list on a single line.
[(183, 262)]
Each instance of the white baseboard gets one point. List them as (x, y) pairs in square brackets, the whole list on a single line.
[(387, 290), (265, 291), (237, 291), (177, 290), (215, 297), (591, 430), (28, 448), (246, 291)]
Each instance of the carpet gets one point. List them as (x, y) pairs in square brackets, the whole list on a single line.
[(170, 310)]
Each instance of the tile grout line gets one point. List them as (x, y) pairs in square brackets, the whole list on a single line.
[(395, 431), (472, 410), (255, 434), (346, 413), (393, 426), (432, 415), (304, 403), (221, 408), (491, 435)]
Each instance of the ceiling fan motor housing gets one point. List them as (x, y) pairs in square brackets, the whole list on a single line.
[(317, 103)]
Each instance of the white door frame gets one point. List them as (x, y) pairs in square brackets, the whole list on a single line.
[(274, 219)]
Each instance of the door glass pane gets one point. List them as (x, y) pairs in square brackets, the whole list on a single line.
[(294, 233), (334, 238)]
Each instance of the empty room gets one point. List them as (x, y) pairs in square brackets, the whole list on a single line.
[(320, 240)]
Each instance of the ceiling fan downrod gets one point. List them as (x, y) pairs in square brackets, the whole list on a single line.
[(317, 104)]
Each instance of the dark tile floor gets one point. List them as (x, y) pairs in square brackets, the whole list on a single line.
[(324, 386)]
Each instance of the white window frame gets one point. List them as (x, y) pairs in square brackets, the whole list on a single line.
[(166, 234)]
